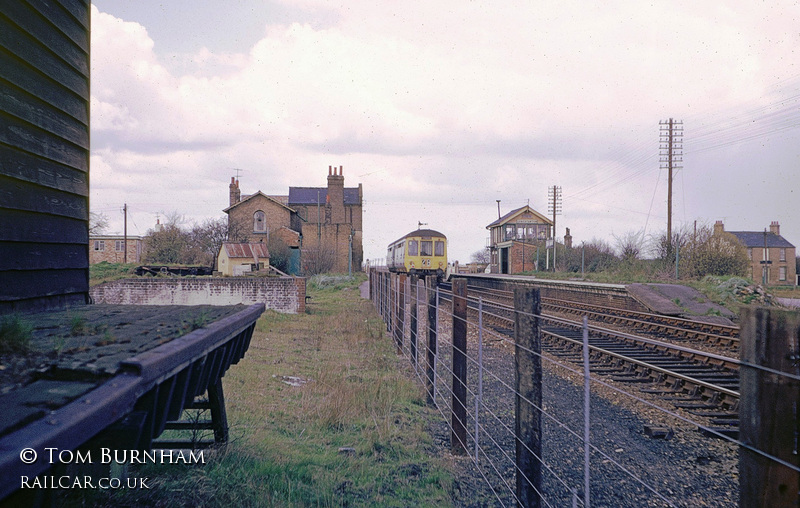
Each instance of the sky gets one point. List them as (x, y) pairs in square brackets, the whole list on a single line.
[(439, 109)]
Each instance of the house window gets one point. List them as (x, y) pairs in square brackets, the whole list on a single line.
[(119, 245), (782, 272), (783, 256), (259, 222), (99, 245)]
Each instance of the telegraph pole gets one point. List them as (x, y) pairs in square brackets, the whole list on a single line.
[(671, 155), (125, 233), (554, 206)]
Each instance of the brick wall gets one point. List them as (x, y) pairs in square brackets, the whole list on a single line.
[(276, 216), (282, 294)]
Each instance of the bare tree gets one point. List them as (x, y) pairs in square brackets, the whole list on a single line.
[(630, 245), (279, 253), (98, 223), (483, 256), (318, 259)]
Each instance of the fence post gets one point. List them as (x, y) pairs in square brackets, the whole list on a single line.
[(587, 396), (458, 440), (401, 312), (431, 364), (528, 398), (768, 408), (390, 298), (413, 342), (479, 395)]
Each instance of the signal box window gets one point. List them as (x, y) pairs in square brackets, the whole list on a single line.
[(413, 248), (427, 248), (439, 248)]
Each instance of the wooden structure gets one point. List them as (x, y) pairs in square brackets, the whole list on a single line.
[(514, 237), (44, 154), (769, 468)]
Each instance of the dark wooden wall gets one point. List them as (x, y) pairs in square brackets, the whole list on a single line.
[(44, 153)]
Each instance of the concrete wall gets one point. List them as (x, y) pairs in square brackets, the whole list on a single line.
[(284, 294)]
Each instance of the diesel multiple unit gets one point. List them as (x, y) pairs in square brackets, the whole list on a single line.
[(421, 252)]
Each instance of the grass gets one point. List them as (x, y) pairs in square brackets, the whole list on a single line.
[(106, 272), (15, 334), (353, 434)]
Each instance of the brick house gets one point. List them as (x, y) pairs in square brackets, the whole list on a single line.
[(514, 238), (309, 219), (111, 249), (772, 257)]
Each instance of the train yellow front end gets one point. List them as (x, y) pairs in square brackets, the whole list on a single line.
[(421, 252)]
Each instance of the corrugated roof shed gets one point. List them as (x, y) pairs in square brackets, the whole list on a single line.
[(308, 195), (246, 250)]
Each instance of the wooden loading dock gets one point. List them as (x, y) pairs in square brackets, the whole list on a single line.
[(119, 394)]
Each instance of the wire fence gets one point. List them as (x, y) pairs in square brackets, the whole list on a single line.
[(543, 430)]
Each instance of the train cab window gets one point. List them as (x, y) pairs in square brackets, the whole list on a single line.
[(427, 248), (439, 248), (413, 248)]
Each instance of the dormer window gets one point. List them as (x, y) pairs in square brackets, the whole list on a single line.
[(259, 222)]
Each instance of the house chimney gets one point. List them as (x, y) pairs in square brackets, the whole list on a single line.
[(775, 228), (335, 197), (235, 193), (719, 227)]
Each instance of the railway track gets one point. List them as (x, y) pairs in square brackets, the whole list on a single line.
[(702, 383)]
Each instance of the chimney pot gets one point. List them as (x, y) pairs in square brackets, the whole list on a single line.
[(330, 169)]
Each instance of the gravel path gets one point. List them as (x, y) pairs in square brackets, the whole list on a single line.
[(687, 470)]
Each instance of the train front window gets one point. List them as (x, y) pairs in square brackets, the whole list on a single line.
[(427, 248), (413, 248), (439, 248)]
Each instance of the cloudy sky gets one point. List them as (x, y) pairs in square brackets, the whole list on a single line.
[(441, 108)]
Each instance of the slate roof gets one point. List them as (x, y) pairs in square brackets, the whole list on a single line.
[(753, 239), (246, 250), (277, 199), (308, 195), (506, 217)]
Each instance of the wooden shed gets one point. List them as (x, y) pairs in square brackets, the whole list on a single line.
[(236, 259), (44, 154)]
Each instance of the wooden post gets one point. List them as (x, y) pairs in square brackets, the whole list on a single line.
[(413, 295), (458, 441), (528, 399), (768, 408), (219, 417), (432, 324)]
